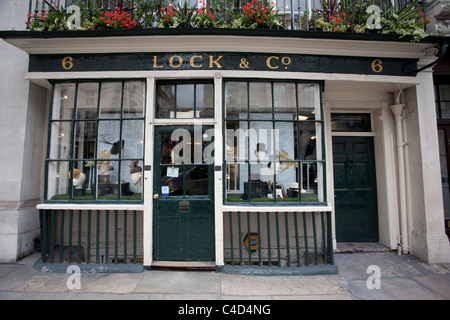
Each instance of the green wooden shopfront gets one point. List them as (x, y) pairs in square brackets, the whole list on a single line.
[(222, 149)]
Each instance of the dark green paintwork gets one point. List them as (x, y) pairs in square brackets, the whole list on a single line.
[(183, 226), (245, 61), (356, 212)]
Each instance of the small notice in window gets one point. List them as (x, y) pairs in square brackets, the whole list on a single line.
[(165, 191), (172, 172)]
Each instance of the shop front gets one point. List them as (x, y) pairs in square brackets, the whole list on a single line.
[(232, 150)]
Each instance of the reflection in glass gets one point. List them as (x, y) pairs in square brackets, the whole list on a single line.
[(308, 107), (310, 182), (165, 100), (270, 151), (133, 135), (204, 96), (236, 100), (85, 136), (185, 102), (308, 139), (133, 99), (94, 144), (260, 97), (284, 100), (109, 139), (87, 99), (58, 180), (60, 140), (110, 99), (63, 101)]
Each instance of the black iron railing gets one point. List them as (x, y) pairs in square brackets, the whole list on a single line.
[(282, 239), (385, 16), (91, 236)]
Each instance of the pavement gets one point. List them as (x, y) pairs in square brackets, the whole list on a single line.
[(377, 275)]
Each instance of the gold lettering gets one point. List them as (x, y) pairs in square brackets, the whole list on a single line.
[(212, 61), (377, 65), (269, 64), (180, 61), (155, 62), (67, 63), (193, 65)]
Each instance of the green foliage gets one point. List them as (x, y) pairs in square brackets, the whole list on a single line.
[(334, 16)]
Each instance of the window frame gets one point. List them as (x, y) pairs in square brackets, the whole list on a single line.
[(176, 82), (273, 120), (72, 158)]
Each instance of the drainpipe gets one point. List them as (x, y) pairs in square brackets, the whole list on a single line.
[(406, 248), (397, 110)]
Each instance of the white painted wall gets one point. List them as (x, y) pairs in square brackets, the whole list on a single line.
[(427, 236), (21, 138)]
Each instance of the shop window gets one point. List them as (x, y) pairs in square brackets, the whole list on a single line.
[(185, 100), (96, 134), (442, 96), (273, 142)]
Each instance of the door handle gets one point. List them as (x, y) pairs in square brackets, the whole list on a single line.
[(156, 196)]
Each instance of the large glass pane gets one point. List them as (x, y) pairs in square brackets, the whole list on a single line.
[(308, 104), (172, 183), (235, 140), (197, 180), (311, 176), (133, 137), (109, 144), (85, 137), (63, 101), (308, 139), (87, 100), (110, 100), (165, 101), (133, 99), (185, 101), (108, 180), (131, 180), (60, 140), (204, 96), (444, 92), (236, 100), (260, 97), (82, 180), (236, 181), (445, 109), (285, 104), (58, 180)]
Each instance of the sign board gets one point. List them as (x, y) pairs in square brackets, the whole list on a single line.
[(144, 61)]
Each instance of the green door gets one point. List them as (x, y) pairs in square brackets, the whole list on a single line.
[(183, 205), (355, 189)]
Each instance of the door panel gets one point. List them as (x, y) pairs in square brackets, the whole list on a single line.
[(183, 205), (356, 210)]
